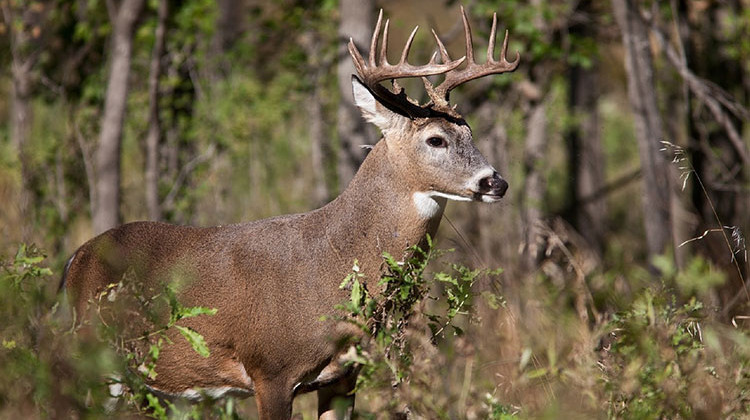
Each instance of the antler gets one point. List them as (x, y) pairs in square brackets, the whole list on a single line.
[(378, 69), (453, 78)]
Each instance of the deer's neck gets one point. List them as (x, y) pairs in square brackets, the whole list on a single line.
[(378, 213)]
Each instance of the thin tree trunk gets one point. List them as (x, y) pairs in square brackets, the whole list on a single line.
[(153, 137), (229, 26), (21, 113), (107, 209), (657, 189), (356, 23), (318, 139), (586, 158), (20, 132), (492, 140), (534, 184)]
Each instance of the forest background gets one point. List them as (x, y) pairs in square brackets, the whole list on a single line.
[(624, 137)]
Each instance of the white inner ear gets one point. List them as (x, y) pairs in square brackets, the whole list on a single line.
[(373, 112)]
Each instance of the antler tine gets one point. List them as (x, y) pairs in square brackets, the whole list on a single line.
[(375, 37), (359, 62), (407, 47), (491, 45), (383, 60), (467, 36), (433, 58), (504, 53), (443, 52)]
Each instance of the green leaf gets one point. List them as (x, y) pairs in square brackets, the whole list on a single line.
[(195, 339), (158, 411), (537, 373), (195, 311), (356, 293)]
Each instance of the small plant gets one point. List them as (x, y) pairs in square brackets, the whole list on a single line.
[(136, 323), (50, 366)]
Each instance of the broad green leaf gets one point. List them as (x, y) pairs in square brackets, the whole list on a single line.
[(196, 340)]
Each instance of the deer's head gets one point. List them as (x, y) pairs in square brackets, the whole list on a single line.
[(430, 143)]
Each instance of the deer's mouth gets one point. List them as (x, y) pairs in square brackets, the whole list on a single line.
[(489, 197)]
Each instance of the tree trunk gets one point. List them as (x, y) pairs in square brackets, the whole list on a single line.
[(491, 139), (25, 51), (228, 28), (356, 22), (107, 209), (534, 185), (718, 164), (153, 137), (657, 189), (585, 155), (20, 132), (320, 148)]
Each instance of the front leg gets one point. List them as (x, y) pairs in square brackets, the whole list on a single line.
[(274, 399), (336, 401)]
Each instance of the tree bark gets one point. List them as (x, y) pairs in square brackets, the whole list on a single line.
[(534, 184), (720, 165), (20, 132), (353, 132), (585, 155), (657, 189), (107, 209), (320, 147), (153, 137)]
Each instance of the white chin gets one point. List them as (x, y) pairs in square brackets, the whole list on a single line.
[(491, 198)]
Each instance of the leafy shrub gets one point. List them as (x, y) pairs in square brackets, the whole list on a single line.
[(53, 367), (399, 356), (670, 360)]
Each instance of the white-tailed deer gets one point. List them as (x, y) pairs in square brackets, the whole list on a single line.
[(275, 282)]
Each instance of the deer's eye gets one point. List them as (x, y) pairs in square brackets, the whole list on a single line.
[(437, 142)]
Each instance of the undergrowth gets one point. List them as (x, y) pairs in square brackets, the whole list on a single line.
[(431, 351)]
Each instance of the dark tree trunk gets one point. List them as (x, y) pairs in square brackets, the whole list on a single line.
[(353, 132), (229, 26), (657, 189), (154, 135), (107, 209), (718, 164), (585, 155)]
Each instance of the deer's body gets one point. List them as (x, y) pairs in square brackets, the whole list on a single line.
[(280, 287), (275, 283)]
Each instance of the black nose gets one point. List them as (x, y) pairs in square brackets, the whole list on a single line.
[(493, 185)]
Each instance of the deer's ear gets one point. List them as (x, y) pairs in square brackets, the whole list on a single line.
[(374, 111)]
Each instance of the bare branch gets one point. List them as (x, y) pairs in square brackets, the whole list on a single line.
[(186, 170)]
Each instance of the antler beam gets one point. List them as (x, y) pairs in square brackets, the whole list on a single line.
[(377, 68)]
